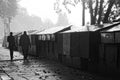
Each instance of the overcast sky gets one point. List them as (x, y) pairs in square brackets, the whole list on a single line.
[(45, 10)]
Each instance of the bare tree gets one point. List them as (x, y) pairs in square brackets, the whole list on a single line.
[(100, 10), (111, 3), (8, 9)]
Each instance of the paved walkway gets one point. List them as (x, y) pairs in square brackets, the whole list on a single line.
[(38, 69), (5, 58)]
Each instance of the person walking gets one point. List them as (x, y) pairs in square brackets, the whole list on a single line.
[(25, 44), (11, 41)]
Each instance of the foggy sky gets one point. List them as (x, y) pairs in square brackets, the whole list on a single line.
[(22, 21)]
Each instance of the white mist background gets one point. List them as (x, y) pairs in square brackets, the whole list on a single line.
[(40, 14), (45, 10)]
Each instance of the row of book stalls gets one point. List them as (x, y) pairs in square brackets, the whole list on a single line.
[(109, 57), (96, 50)]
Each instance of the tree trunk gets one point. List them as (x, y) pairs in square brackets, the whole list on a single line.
[(6, 26), (106, 16), (96, 11), (6, 31), (91, 12), (83, 13), (100, 11)]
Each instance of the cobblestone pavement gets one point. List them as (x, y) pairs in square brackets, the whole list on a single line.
[(39, 69)]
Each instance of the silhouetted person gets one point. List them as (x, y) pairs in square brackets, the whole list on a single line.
[(25, 44), (11, 41)]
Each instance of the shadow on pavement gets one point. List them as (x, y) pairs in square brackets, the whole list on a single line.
[(10, 60)]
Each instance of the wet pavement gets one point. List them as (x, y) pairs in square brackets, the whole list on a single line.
[(38, 69)]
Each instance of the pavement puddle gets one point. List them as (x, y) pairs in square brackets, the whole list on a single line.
[(5, 77)]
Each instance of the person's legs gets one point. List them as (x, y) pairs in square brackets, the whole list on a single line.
[(23, 50), (11, 54), (26, 53)]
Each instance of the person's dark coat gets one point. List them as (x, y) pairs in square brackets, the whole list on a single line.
[(11, 41), (24, 41)]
